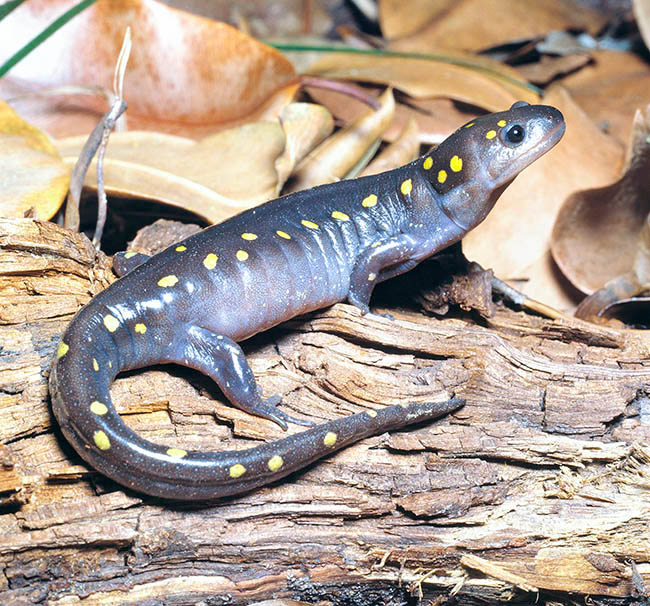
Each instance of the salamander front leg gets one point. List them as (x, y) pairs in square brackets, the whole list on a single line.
[(224, 361), (389, 258)]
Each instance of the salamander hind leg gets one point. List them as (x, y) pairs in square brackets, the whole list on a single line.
[(224, 361), (124, 262)]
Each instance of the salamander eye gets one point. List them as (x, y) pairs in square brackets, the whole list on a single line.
[(515, 134)]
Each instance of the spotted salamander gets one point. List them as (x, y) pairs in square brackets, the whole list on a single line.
[(191, 303)]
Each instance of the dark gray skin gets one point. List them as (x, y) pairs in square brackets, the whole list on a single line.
[(191, 303)]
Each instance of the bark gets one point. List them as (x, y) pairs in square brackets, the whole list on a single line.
[(539, 485)]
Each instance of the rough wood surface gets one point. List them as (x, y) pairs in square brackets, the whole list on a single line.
[(540, 484)]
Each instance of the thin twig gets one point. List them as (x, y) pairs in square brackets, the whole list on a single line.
[(110, 118), (98, 136)]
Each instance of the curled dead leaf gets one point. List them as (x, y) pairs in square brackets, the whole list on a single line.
[(334, 158), (403, 150), (478, 81), (596, 233), (33, 177), (515, 238), (210, 177), (206, 73)]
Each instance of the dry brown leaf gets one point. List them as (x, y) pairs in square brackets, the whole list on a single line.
[(547, 68), (610, 89), (436, 119), (403, 150), (398, 18), (305, 125), (334, 158), (205, 73), (210, 177), (33, 177), (426, 79), (596, 234), (480, 24), (516, 234), (642, 13)]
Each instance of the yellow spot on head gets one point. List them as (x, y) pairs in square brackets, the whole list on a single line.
[(168, 281), (456, 164), (371, 277), (442, 176), (491, 134), (370, 201), (177, 453), (310, 224), (237, 470), (62, 349), (130, 254), (210, 261), (248, 236), (470, 124), (275, 463), (98, 408), (181, 248), (283, 234), (101, 440), (501, 123), (406, 187), (140, 328), (95, 365), (428, 163), (111, 323), (371, 413), (241, 255), (330, 439), (340, 216)]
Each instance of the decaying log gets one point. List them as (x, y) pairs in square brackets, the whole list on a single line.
[(539, 485)]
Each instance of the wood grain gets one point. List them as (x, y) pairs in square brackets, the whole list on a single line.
[(540, 484)]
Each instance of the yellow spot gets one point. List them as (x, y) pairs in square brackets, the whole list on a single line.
[(442, 176), (98, 408), (375, 244), (177, 453), (456, 164), (491, 134), (241, 255), (130, 254), (370, 201), (275, 463), (101, 440), (330, 439), (111, 323), (340, 216), (140, 328), (248, 236), (95, 365), (406, 187), (371, 413), (210, 261), (428, 163), (110, 364), (168, 281), (62, 349), (283, 234), (371, 277), (309, 224), (237, 470), (470, 124), (181, 248), (501, 123)]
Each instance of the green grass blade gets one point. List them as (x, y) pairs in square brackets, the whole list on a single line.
[(7, 7), (44, 35), (406, 55)]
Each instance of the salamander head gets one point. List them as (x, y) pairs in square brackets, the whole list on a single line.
[(485, 155)]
